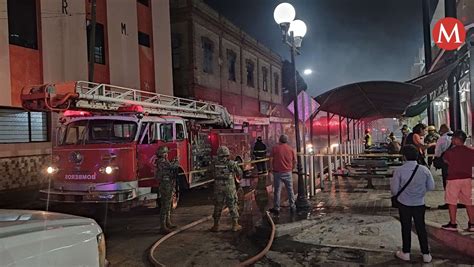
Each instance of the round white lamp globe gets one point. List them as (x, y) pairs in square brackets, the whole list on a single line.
[(298, 27), (284, 13)]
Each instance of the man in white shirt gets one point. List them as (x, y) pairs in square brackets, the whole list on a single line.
[(443, 144), (444, 141)]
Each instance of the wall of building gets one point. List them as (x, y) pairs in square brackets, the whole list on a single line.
[(183, 64), (212, 79), (198, 26), (101, 71), (5, 83), (62, 55), (145, 53), (465, 13), (64, 52), (162, 46), (122, 36)]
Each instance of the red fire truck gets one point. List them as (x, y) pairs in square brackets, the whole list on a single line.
[(107, 136)]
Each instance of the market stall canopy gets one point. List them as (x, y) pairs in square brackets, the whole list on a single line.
[(373, 99), (417, 108), (383, 99), (431, 81)]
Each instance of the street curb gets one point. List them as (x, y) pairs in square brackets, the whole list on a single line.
[(455, 240)]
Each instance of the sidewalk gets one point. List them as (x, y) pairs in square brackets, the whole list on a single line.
[(348, 195)]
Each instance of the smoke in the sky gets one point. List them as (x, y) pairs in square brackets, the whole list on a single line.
[(347, 40)]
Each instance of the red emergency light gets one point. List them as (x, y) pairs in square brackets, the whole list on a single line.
[(76, 113), (131, 108)]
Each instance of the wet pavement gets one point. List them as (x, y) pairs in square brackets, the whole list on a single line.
[(352, 226), (348, 226)]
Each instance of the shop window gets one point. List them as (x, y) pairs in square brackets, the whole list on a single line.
[(144, 39), (22, 23), (208, 54), (231, 59), (144, 2), (99, 49), (250, 66), (265, 79), (19, 126), (276, 84)]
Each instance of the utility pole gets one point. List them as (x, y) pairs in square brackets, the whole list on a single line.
[(91, 44), (453, 91), (470, 41), (428, 58), (302, 202)]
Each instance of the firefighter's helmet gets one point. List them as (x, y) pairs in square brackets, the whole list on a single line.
[(431, 128), (223, 151), (161, 151)]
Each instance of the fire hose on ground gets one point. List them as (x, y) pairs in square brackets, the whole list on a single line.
[(248, 262)]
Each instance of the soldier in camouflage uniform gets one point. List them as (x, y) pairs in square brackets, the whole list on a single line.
[(166, 173), (224, 172)]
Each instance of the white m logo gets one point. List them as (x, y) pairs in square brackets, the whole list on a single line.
[(454, 32)]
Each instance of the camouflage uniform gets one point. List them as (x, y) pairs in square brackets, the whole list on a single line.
[(225, 194), (166, 175)]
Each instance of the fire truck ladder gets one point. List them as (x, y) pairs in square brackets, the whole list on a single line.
[(105, 97)]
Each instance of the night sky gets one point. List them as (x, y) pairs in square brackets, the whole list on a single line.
[(347, 40)]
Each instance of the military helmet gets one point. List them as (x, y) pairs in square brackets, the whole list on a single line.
[(223, 151), (162, 150), (431, 128)]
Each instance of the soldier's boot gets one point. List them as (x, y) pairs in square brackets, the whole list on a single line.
[(164, 229), (169, 224), (236, 226), (215, 227)]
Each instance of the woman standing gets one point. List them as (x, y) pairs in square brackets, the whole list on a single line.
[(416, 138), (410, 183)]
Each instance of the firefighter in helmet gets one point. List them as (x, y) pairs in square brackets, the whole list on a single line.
[(166, 174), (224, 172), (260, 152)]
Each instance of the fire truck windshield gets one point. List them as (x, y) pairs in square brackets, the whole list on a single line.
[(99, 132)]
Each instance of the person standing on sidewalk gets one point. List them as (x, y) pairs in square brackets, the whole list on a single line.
[(430, 139), (443, 144), (412, 201), (416, 138), (405, 132), (260, 152), (283, 163), (460, 160)]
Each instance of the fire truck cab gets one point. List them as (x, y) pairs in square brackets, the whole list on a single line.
[(105, 147)]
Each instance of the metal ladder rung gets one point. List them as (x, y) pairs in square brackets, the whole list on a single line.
[(104, 96)]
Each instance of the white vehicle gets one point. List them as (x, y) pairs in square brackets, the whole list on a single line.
[(39, 238)]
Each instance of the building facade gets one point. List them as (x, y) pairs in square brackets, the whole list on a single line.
[(47, 41), (214, 60), (465, 13), (441, 99)]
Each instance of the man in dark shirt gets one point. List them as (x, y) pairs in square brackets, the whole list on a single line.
[(260, 152), (460, 160), (405, 131)]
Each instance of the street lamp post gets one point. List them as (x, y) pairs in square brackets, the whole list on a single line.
[(284, 15)]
